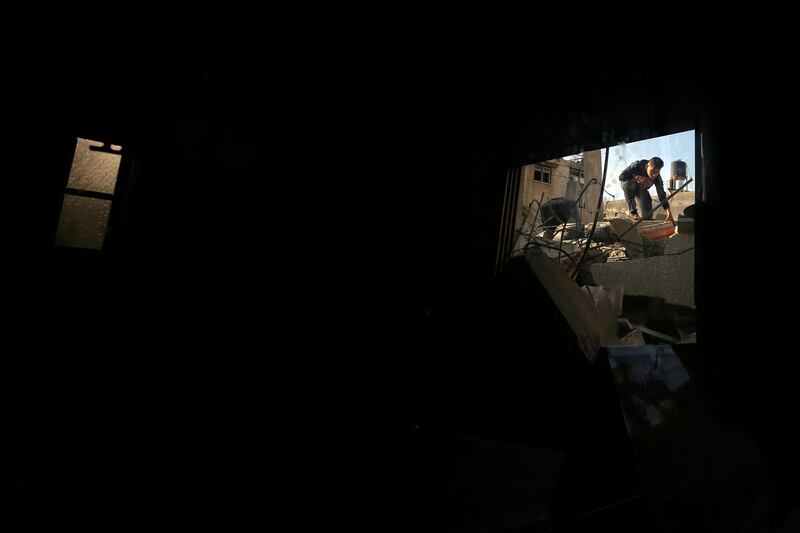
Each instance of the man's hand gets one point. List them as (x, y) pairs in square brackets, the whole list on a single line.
[(645, 181)]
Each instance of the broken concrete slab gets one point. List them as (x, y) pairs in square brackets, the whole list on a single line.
[(651, 247), (594, 325), (626, 234), (602, 232), (669, 276), (623, 232), (678, 243)]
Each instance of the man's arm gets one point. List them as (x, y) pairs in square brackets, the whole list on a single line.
[(662, 197)]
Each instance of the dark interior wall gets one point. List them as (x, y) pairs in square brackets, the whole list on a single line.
[(110, 357)]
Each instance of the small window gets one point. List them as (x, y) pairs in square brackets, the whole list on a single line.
[(87, 199), (576, 174), (541, 174)]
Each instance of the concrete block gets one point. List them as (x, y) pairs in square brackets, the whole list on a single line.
[(669, 276)]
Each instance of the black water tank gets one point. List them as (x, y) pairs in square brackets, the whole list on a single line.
[(557, 211), (678, 168)]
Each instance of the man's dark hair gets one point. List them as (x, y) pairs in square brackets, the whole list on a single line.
[(657, 162)]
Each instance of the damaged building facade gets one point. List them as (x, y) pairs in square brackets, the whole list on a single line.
[(569, 178)]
